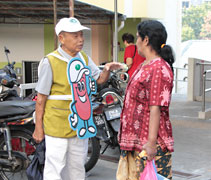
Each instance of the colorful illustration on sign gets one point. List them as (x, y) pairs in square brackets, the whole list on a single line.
[(82, 86)]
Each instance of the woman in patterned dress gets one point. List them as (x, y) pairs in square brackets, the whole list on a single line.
[(145, 123)]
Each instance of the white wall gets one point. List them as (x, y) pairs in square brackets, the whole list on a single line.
[(128, 8), (25, 42), (172, 22), (87, 48)]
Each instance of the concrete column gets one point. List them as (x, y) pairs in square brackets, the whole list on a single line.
[(191, 79)]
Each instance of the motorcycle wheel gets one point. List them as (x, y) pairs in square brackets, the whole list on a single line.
[(20, 142), (93, 153)]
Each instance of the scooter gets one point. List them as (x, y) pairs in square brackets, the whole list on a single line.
[(16, 127), (16, 143), (8, 80)]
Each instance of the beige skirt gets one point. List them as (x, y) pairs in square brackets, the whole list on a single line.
[(131, 165)]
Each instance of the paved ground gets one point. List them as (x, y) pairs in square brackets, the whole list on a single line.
[(192, 156)]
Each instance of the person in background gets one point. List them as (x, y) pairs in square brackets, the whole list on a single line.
[(131, 57), (65, 152), (145, 123)]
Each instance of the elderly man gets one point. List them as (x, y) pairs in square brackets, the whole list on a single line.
[(65, 152)]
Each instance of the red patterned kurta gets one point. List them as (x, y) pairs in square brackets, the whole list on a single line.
[(150, 85)]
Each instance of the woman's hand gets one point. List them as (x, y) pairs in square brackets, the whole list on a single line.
[(151, 150)]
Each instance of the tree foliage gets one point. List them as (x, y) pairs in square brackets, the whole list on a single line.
[(206, 27), (193, 20), (187, 33)]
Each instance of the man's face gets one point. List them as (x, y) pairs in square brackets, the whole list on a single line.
[(125, 43), (72, 42)]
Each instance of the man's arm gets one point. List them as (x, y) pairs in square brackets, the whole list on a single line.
[(129, 55), (38, 134), (104, 75), (129, 62)]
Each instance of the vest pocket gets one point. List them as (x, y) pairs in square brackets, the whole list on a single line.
[(60, 109)]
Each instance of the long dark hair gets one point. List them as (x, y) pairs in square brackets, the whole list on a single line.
[(157, 35)]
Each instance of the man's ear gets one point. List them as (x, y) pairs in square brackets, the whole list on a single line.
[(61, 38)]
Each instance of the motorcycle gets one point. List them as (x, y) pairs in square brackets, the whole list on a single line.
[(16, 127), (8, 80), (16, 144), (107, 107), (115, 82)]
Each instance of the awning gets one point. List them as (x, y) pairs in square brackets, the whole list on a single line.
[(33, 11)]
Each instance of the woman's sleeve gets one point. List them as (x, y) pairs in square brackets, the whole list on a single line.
[(160, 88)]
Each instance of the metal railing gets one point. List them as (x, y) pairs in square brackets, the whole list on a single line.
[(176, 79), (24, 87), (204, 79)]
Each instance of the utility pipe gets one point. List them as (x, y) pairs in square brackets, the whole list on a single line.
[(55, 21), (71, 7), (115, 57), (121, 25)]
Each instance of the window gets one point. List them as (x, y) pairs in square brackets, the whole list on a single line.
[(185, 4), (34, 67)]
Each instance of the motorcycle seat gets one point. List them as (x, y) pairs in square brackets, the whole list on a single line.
[(15, 108)]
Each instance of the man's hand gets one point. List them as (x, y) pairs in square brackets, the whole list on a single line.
[(38, 135), (114, 66), (104, 75)]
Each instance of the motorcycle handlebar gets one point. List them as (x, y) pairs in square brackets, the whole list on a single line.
[(118, 73), (123, 80), (12, 65), (16, 83)]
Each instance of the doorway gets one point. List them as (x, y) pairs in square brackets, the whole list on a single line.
[(30, 74)]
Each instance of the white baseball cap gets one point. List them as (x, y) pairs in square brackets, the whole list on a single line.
[(69, 25), (76, 70)]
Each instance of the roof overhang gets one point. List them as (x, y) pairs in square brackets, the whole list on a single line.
[(42, 11)]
